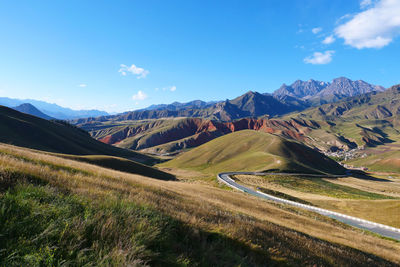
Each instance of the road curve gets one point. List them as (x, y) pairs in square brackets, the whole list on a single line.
[(377, 228)]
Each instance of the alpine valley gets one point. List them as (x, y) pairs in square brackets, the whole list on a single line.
[(185, 133)]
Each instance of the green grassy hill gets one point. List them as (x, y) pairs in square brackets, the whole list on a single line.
[(56, 136), (249, 150)]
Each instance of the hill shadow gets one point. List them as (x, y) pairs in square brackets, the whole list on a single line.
[(365, 176)]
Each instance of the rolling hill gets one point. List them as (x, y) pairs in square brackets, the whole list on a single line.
[(254, 151), (56, 136)]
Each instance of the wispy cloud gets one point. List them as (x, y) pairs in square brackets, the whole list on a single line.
[(319, 58), (82, 85), (168, 88), (365, 3), (316, 30), (328, 40), (140, 95), (133, 69), (374, 27)]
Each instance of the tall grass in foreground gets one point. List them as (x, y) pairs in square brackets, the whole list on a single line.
[(57, 212), (44, 227)]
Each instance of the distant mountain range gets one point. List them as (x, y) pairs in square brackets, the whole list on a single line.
[(369, 120), (317, 92), (288, 98), (251, 104), (31, 110), (52, 110), (298, 96), (195, 104)]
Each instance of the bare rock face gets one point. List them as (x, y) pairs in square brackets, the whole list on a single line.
[(317, 92), (345, 87), (301, 89)]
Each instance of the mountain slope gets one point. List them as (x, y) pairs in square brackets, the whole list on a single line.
[(31, 110), (374, 105), (253, 104), (28, 131), (301, 89), (254, 151), (345, 87)]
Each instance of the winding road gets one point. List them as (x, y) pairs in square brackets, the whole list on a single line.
[(377, 228)]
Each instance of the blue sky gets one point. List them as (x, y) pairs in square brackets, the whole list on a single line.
[(125, 55)]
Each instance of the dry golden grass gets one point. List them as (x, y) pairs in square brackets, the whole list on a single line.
[(385, 211), (258, 181), (391, 187), (260, 224)]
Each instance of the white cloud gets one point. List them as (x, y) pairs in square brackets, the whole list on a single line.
[(319, 58), (328, 40), (172, 88), (139, 72), (373, 28), (139, 96), (83, 85), (316, 30)]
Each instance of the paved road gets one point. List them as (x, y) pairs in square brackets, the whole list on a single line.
[(378, 228)]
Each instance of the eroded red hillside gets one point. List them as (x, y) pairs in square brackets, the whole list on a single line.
[(192, 132)]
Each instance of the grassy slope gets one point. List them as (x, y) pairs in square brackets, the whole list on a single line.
[(253, 151), (77, 214), (149, 133), (382, 162), (321, 186), (152, 133), (121, 164), (32, 132)]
